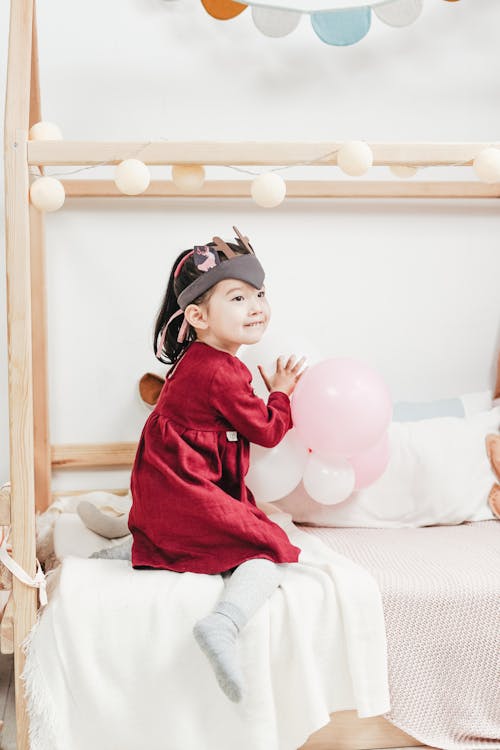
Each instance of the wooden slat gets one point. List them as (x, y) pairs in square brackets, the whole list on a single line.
[(17, 110), (5, 505), (40, 366), (93, 455), (295, 189), (348, 732), (241, 153), (7, 628), (68, 493)]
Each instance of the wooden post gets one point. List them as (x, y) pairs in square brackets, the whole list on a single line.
[(17, 240), (42, 450), (43, 475)]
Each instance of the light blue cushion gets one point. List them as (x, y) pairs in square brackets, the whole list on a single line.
[(408, 411)]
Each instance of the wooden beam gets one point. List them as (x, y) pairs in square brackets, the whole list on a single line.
[(295, 189), (93, 455), (69, 493), (266, 153), (17, 240)]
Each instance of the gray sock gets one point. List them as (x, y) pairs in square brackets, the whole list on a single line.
[(246, 590), (217, 635), (121, 551)]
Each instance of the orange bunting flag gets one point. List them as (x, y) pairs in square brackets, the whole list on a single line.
[(223, 9)]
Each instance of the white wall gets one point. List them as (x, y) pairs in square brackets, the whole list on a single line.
[(410, 286)]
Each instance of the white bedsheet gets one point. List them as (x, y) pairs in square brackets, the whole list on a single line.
[(112, 663)]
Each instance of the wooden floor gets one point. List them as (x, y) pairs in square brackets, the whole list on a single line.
[(7, 705)]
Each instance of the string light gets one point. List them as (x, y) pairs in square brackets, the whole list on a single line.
[(353, 157)]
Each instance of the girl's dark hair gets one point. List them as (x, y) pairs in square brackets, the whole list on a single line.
[(172, 349)]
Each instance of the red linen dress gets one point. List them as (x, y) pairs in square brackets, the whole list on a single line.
[(191, 510)]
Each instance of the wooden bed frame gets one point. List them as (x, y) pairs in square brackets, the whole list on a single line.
[(32, 457)]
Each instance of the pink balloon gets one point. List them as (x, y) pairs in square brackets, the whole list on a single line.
[(340, 407), (371, 463)]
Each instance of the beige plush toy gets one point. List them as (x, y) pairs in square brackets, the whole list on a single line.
[(106, 523), (113, 526)]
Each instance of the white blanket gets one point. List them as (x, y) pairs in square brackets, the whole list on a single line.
[(112, 664)]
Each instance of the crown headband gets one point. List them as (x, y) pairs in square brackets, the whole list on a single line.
[(243, 267)]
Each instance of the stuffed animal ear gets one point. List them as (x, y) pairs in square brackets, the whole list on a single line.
[(150, 386), (493, 451)]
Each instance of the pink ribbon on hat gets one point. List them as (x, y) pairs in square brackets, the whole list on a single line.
[(180, 336)]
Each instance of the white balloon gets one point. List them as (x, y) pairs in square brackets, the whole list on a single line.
[(274, 22), (47, 194), (400, 12), (45, 131), (268, 190), (355, 158), (188, 177), (132, 177), (275, 472), (328, 483), (487, 165)]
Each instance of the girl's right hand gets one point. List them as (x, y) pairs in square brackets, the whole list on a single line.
[(286, 376)]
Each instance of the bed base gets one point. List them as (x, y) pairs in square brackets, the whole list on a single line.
[(346, 731)]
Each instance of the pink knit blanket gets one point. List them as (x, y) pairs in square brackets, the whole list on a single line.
[(440, 588)]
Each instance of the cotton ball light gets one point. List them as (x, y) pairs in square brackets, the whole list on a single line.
[(355, 158), (132, 177), (403, 171), (188, 177), (487, 165), (268, 190), (47, 194), (44, 131)]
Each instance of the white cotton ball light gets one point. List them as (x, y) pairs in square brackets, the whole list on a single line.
[(268, 190), (132, 177), (487, 165), (355, 158), (403, 171), (188, 177), (44, 131), (47, 194)]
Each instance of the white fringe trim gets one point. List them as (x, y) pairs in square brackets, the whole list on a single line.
[(43, 721)]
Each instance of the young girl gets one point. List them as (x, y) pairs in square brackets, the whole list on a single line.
[(191, 509)]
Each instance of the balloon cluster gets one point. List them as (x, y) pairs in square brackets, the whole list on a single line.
[(341, 409)]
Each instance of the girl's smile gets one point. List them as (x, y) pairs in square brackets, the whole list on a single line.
[(236, 313)]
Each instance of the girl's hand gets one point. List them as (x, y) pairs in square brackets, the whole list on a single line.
[(286, 376)]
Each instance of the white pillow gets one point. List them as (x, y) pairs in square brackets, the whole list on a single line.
[(438, 473)]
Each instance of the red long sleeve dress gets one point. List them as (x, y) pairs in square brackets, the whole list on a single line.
[(191, 510)]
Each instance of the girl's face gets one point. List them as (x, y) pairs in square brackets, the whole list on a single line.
[(236, 313)]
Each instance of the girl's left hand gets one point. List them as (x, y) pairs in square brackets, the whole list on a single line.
[(286, 376)]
